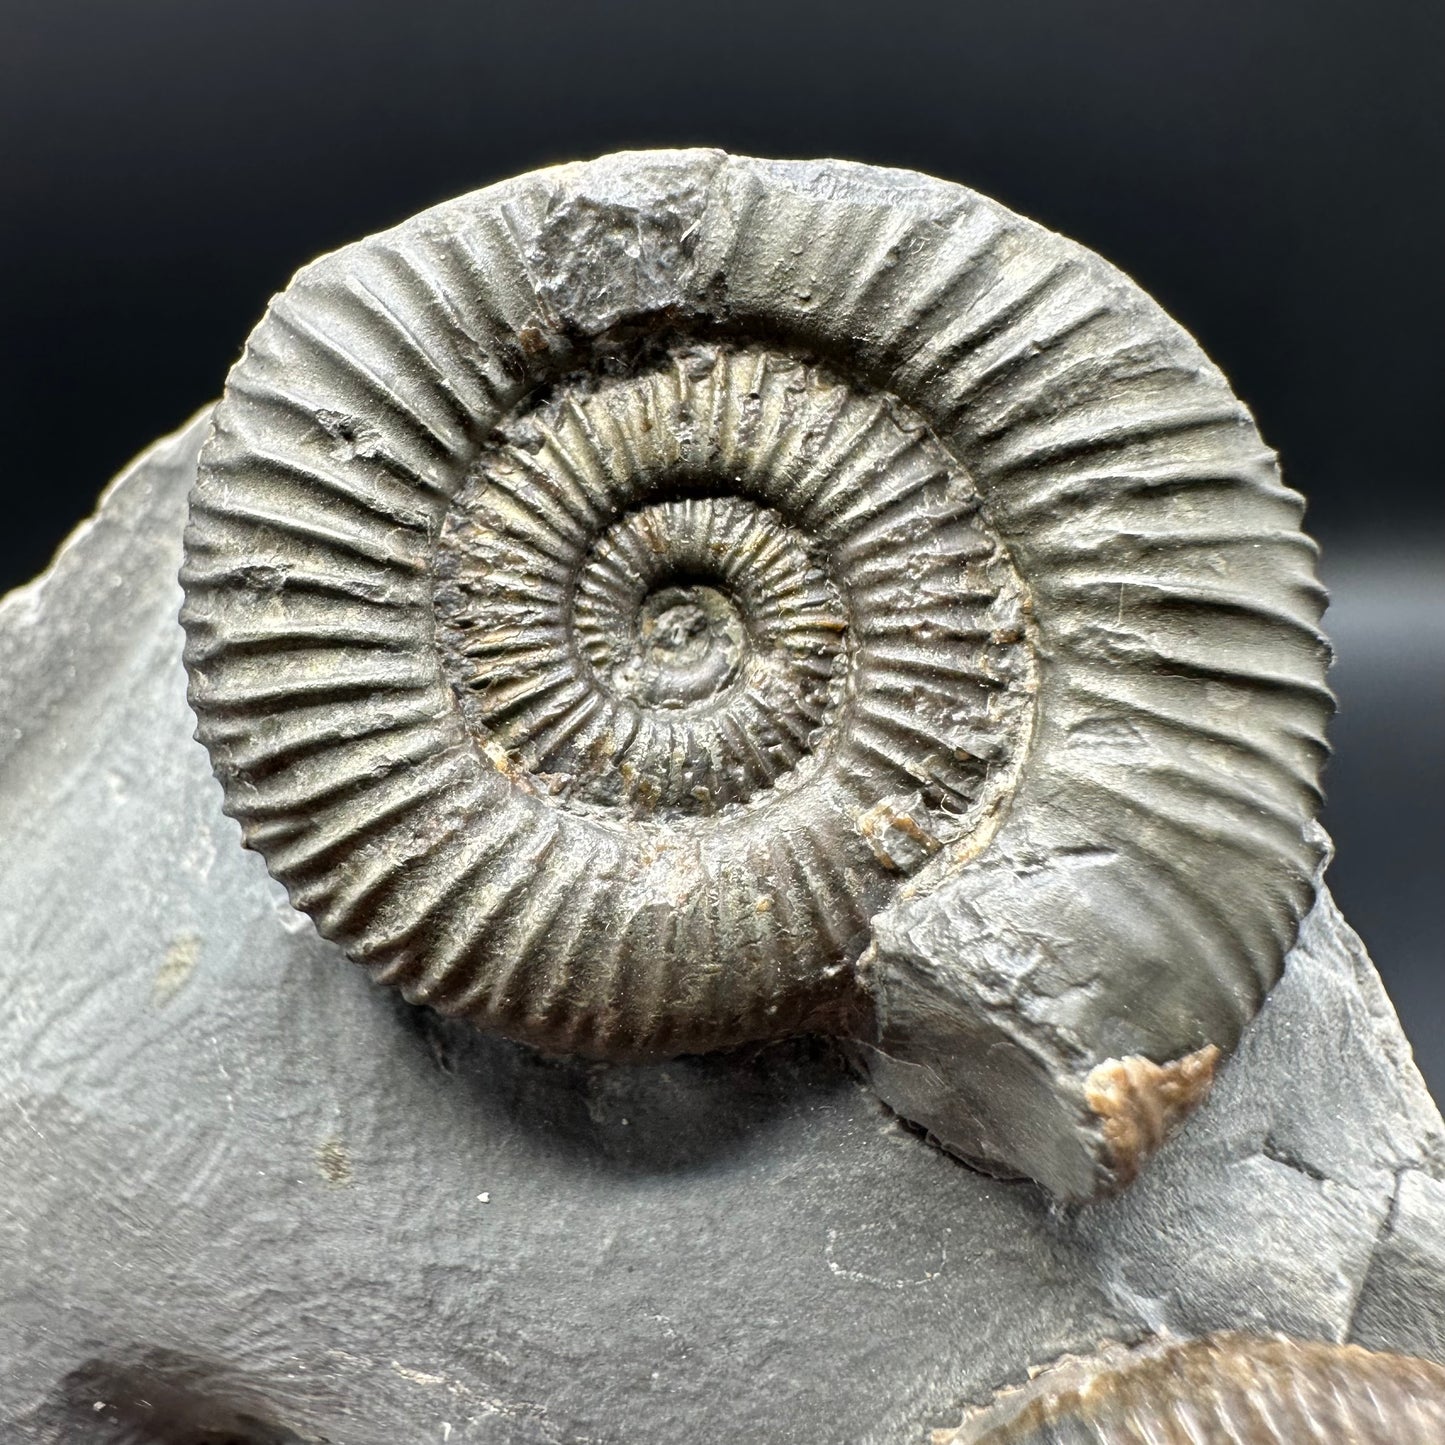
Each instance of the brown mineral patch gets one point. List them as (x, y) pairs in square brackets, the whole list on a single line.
[(1141, 1103), (504, 762), (898, 840), (1240, 1389), (531, 340), (333, 1159), (176, 967)]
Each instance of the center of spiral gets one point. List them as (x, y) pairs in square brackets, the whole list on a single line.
[(687, 646)]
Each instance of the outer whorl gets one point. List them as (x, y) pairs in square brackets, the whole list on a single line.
[(676, 600), (1230, 1389)]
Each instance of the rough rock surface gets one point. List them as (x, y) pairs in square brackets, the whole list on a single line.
[(250, 1197)]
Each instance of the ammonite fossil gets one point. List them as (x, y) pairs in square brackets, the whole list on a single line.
[(679, 600), (1228, 1389)]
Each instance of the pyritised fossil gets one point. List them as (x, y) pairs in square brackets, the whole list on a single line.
[(662, 603), (1231, 1389)]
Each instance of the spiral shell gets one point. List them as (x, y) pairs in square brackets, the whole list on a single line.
[(619, 600), (1241, 1389)]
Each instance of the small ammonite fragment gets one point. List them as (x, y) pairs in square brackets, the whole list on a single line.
[(1227, 1389), (679, 600)]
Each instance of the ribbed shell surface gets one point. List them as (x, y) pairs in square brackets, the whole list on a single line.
[(1224, 1390), (1088, 548)]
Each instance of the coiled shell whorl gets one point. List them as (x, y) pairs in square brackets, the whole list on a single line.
[(678, 600)]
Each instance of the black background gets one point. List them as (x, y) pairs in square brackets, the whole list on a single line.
[(1271, 171)]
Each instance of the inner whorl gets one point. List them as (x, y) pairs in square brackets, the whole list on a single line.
[(737, 635)]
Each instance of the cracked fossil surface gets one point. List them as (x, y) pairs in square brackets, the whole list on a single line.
[(667, 603)]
